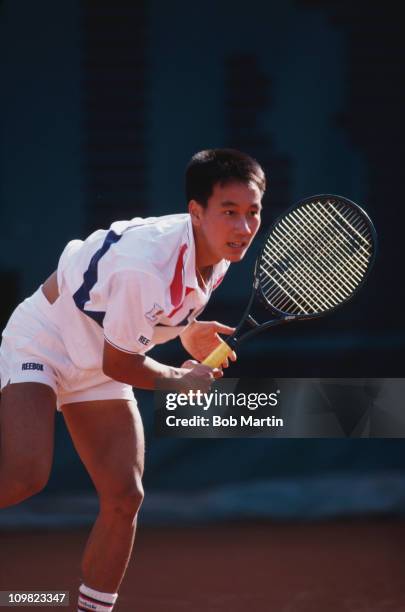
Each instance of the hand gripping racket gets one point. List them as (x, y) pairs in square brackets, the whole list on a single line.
[(314, 258)]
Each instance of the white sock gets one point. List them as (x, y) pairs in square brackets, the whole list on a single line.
[(95, 601)]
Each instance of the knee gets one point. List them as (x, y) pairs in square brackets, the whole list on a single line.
[(35, 478), (25, 480), (124, 504)]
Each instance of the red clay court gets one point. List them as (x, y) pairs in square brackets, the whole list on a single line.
[(336, 566)]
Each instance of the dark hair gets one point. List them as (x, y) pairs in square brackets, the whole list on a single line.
[(207, 168)]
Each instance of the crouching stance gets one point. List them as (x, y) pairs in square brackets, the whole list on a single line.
[(79, 345)]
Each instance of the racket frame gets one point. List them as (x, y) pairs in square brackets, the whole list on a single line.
[(280, 316)]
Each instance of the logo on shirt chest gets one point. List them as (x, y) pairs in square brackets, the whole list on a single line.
[(184, 317)]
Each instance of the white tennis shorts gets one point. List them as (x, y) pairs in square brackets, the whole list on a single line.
[(32, 350)]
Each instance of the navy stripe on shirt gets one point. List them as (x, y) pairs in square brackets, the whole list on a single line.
[(90, 278)]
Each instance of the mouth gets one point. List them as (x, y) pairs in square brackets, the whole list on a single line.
[(237, 245)]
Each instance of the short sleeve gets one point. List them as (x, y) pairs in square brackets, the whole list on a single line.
[(134, 306)]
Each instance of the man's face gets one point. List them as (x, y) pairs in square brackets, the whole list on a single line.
[(226, 227)]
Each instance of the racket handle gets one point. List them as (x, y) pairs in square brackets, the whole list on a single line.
[(218, 355)]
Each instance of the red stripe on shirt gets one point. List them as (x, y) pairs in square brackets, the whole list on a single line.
[(219, 281), (176, 286), (173, 312)]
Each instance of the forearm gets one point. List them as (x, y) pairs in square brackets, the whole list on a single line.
[(140, 371), (146, 373)]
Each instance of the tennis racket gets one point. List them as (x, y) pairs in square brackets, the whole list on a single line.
[(314, 259)]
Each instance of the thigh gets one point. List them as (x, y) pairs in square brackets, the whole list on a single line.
[(27, 423), (108, 436)]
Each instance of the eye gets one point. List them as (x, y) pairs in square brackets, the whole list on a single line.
[(229, 212), (254, 213)]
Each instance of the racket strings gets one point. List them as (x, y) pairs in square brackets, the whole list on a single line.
[(297, 281), (355, 224), (322, 248), (308, 268), (327, 234), (351, 231), (315, 257), (349, 247), (296, 273), (315, 252), (287, 293), (319, 251), (294, 283), (333, 246)]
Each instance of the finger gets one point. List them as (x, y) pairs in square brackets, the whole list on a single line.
[(232, 356), (207, 369), (223, 329), (225, 363), (218, 373), (190, 363)]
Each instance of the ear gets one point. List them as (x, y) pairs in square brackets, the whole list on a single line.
[(196, 212)]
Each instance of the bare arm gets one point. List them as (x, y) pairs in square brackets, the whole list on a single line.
[(144, 372)]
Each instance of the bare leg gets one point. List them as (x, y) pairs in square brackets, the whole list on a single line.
[(27, 416), (108, 435)]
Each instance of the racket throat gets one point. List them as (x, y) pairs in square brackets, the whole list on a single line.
[(251, 321)]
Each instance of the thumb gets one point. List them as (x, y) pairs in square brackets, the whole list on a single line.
[(223, 329)]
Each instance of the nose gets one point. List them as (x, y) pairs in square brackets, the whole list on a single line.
[(243, 226)]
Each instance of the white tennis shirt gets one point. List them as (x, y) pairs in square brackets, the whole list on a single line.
[(134, 285)]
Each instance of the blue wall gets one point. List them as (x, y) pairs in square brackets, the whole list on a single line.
[(40, 163), (307, 57)]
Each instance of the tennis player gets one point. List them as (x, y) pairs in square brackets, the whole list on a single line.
[(79, 344)]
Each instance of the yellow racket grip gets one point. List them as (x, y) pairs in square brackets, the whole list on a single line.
[(218, 355)]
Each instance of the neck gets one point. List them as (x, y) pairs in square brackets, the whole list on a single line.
[(204, 273), (204, 258)]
